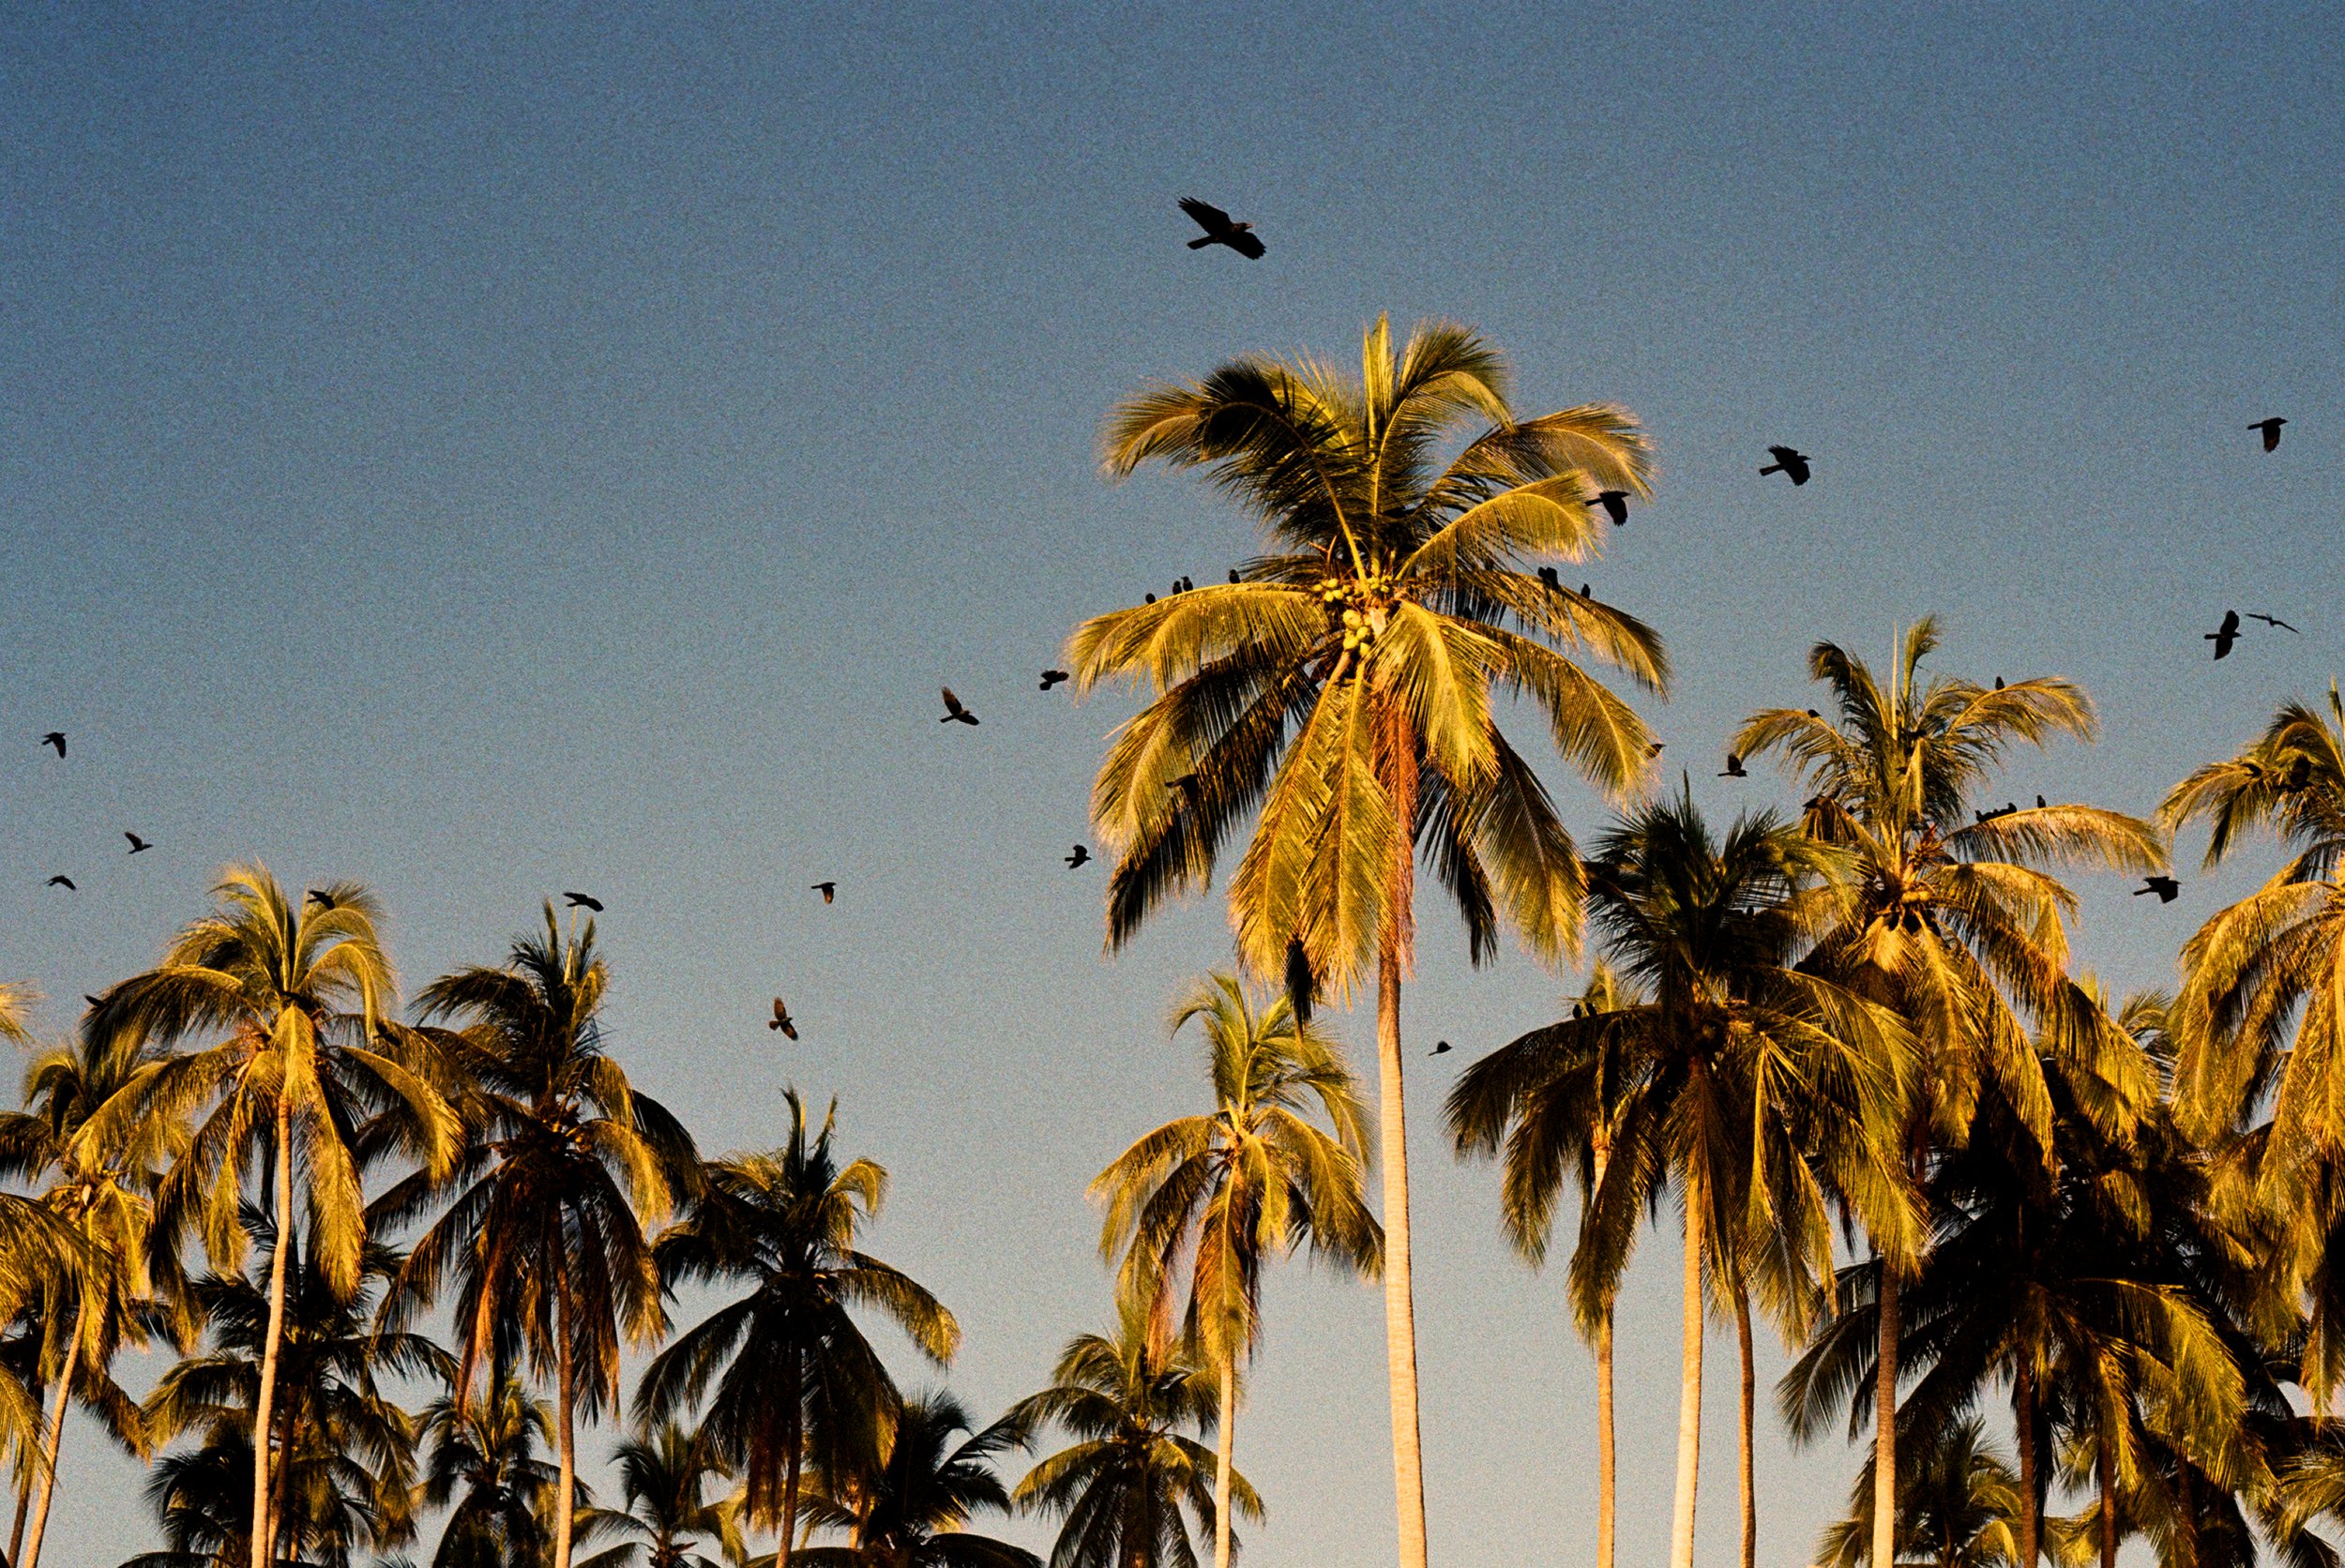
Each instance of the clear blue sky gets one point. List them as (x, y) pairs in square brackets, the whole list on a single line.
[(482, 455)]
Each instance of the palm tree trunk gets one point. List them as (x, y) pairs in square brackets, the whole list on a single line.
[(1224, 1441), (792, 1456), (1886, 1423), (1601, 1149), (263, 1407), (1742, 1433), (1393, 946), (2031, 1495), (2105, 1479), (281, 1508), (565, 1489), (1688, 1396), (16, 1531), (51, 1442)]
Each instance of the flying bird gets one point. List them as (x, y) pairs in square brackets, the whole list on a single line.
[(1788, 461), (2273, 621), (1052, 677), (1080, 856), (781, 1020), (324, 900), (1439, 1047), (829, 890), (55, 738), (580, 901), (1734, 768), (954, 712), (66, 883), (2165, 887), (2271, 429), (137, 843), (2224, 635), (1220, 229), (1615, 504)]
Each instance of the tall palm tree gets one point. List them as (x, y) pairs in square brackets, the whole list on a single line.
[(1121, 1488), (1226, 1192), (292, 992), (1554, 1110), (545, 1235), (1959, 925), (663, 1478), (1342, 689), (790, 1366), (1764, 1093), (483, 1467), (912, 1511), (1956, 1502)]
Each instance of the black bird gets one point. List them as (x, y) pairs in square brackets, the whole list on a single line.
[(1233, 576), (1052, 677), (1788, 461), (2224, 635), (1439, 1047), (580, 901), (2165, 887), (1999, 682), (1813, 714), (2039, 803), (1220, 229), (1549, 577), (781, 1020), (2273, 621), (1080, 856), (322, 900), (137, 843), (2271, 429), (954, 712), (66, 883), (1152, 598), (1615, 504), (1585, 590), (55, 738), (830, 891), (1187, 583), (1734, 768)]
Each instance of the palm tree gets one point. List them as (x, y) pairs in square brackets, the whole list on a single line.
[(1226, 1192), (1956, 1502), (1955, 923), (545, 1234), (1119, 1489), (911, 1510), (664, 1477), (1563, 1113), (294, 993), (483, 1467), (1343, 688), (791, 1368), (1763, 1093)]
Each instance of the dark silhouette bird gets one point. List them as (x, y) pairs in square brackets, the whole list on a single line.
[(1439, 1047), (323, 899), (1233, 576), (1999, 682), (1615, 504), (2271, 429), (2273, 621), (1813, 714), (2224, 635), (66, 883), (1080, 856), (1152, 598), (580, 901), (782, 1021), (137, 843), (1187, 583), (2039, 803), (55, 738), (1585, 590), (954, 712), (1547, 576), (1788, 461), (1655, 749), (829, 890), (1734, 768), (1052, 677), (2165, 887), (1221, 229)]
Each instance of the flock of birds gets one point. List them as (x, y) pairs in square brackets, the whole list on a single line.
[(1221, 229)]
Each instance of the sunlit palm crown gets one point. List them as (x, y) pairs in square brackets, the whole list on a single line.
[(1393, 598), (1952, 920), (913, 1511)]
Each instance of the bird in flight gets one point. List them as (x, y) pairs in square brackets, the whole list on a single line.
[(2271, 429), (2224, 635), (1081, 857), (55, 738), (1615, 504), (321, 898), (781, 1020), (1439, 1047), (580, 901), (829, 890), (137, 843), (2273, 621), (2165, 887), (1788, 461), (1220, 229), (1734, 768), (1052, 677), (954, 712), (66, 883)]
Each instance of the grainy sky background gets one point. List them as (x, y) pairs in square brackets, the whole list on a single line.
[(482, 452)]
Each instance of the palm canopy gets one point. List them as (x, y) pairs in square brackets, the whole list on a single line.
[(912, 1509), (1126, 1487), (483, 1466), (664, 1476), (1958, 1506), (1343, 687)]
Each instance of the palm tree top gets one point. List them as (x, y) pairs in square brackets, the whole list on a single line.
[(2293, 777)]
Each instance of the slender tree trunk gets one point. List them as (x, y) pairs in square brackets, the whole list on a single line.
[(1603, 1154), (281, 1507), (2030, 1494), (1747, 1417), (51, 1442), (1394, 942), (792, 1456), (1224, 1441), (1688, 1396), (565, 1488), (1886, 1423), (263, 1406), (16, 1531), (2105, 1477)]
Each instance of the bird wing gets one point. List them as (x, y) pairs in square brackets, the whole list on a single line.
[(2230, 620), (952, 703), (1209, 218), (1246, 245), (1783, 454)]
